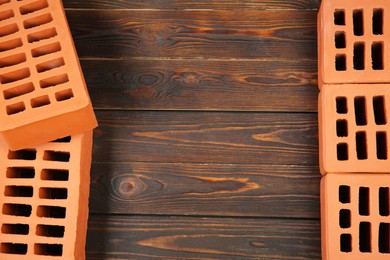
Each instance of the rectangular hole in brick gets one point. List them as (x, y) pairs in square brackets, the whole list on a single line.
[(42, 35), (33, 7), (13, 248), (12, 60), (358, 56), (56, 156), (15, 76), (63, 140), (37, 21), (40, 101), (49, 65), (342, 151), (6, 15), (358, 22), (379, 110), (384, 238), (15, 229), (47, 49), (25, 154), (54, 175), (345, 243), (20, 173), (377, 21), (8, 29), (10, 45), (365, 236), (48, 249), (339, 39), (15, 108), (341, 105), (381, 145), (339, 17), (364, 201), (54, 81), (384, 201), (345, 218), (53, 193), (21, 210), (341, 62), (342, 128), (344, 194), (18, 191), (377, 55), (50, 231), (64, 95), (18, 91), (51, 212), (360, 111), (361, 145)]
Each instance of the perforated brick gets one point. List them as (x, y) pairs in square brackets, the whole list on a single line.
[(43, 95), (353, 128), (353, 41), (44, 199)]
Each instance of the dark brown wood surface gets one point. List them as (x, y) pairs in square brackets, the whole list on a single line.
[(207, 146)]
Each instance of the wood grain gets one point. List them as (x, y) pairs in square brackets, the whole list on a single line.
[(123, 237), (205, 190), (264, 34), (202, 85)]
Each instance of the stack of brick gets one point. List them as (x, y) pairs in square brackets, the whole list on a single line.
[(46, 122), (353, 107)]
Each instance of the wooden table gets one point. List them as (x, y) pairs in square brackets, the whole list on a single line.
[(207, 144)]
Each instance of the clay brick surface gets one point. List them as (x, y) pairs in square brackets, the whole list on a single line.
[(353, 41), (43, 95), (355, 216), (44, 199), (353, 128)]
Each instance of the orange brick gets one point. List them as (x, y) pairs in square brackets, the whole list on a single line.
[(353, 41), (43, 93), (355, 216), (44, 199)]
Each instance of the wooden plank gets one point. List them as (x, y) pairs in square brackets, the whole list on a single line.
[(125, 237), (205, 189), (200, 4), (264, 34), (206, 137), (202, 85)]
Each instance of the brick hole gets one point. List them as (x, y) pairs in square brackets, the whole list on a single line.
[(48, 249), (18, 191), (8, 29), (10, 45), (344, 194), (384, 201), (4, 2), (56, 156), (377, 55), (342, 128), (342, 151), (361, 145), (384, 238), (64, 95), (20, 173), (51, 212), (339, 40), (358, 22), (12, 60), (40, 101), (33, 7), (341, 62), (345, 243), (364, 201), (15, 76), (6, 15), (42, 35), (15, 108), (53, 193), (54, 175), (21, 210), (381, 145), (50, 231), (46, 49), (63, 140), (13, 248), (379, 110), (358, 56), (49, 65), (54, 81), (15, 229), (18, 91), (345, 218), (365, 236), (339, 17), (341, 105), (377, 21), (37, 21), (360, 111), (25, 154)]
